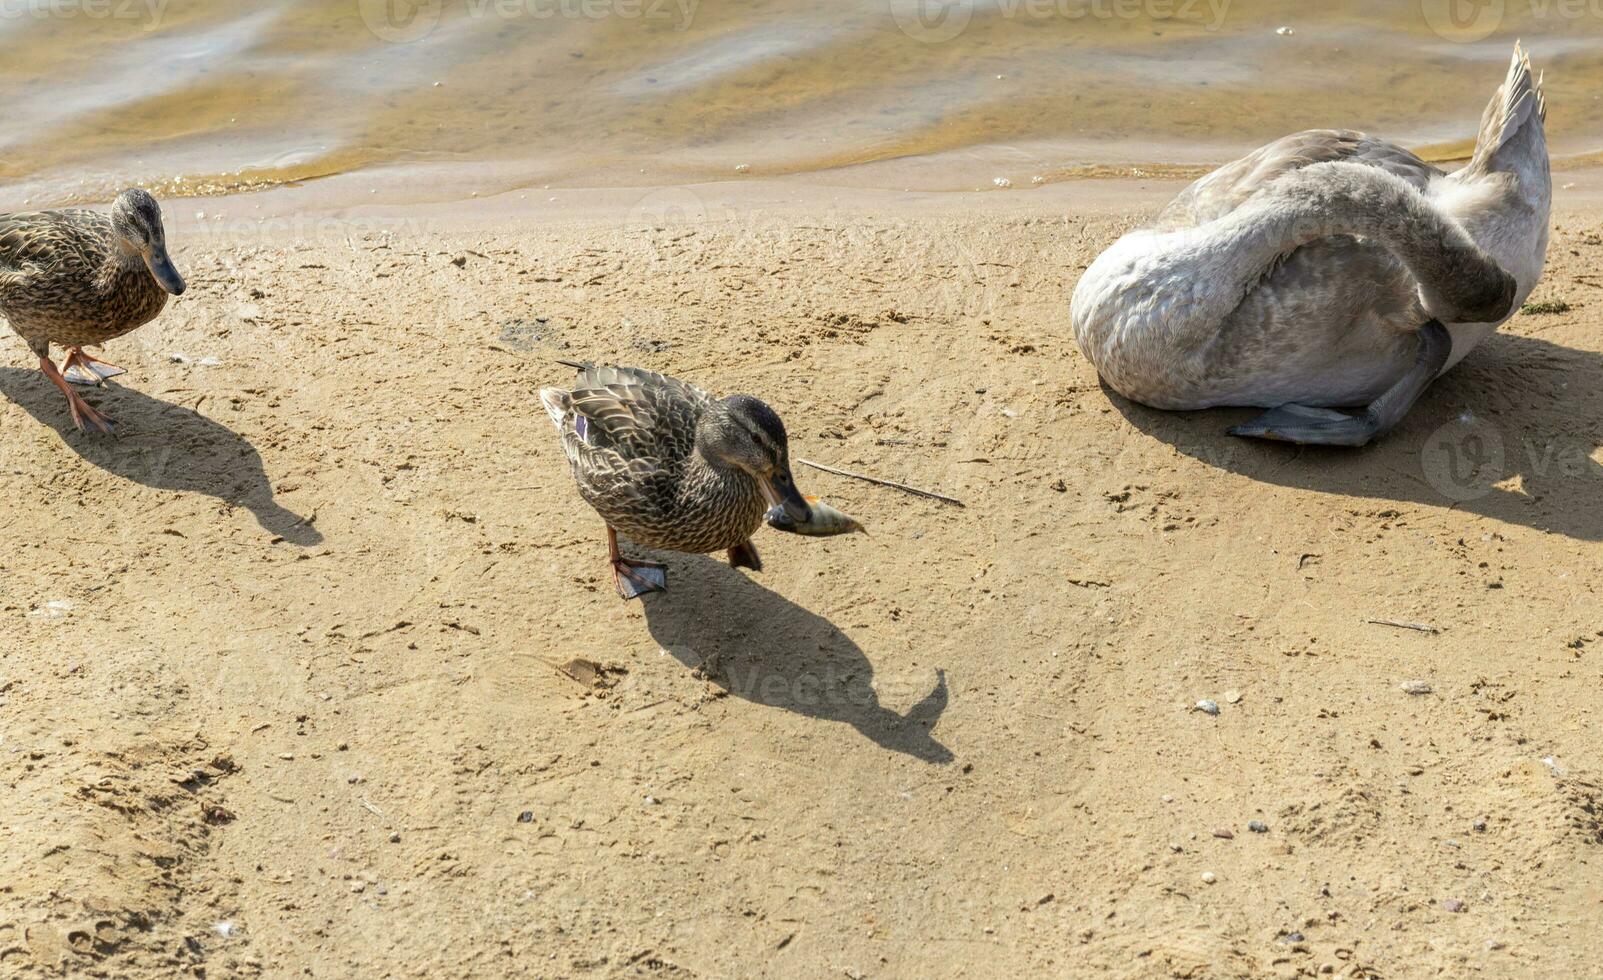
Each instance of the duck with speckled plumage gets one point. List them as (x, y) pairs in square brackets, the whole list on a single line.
[(673, 467), (78, 278)]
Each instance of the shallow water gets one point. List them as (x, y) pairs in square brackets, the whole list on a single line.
[(195, 97)]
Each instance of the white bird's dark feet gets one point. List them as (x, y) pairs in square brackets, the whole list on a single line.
[(1325, 427), (1310, 427)]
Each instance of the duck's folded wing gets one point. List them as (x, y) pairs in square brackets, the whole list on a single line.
[(639, 414), (22, 241), (606, 475), (71, 243), (1227, 188)]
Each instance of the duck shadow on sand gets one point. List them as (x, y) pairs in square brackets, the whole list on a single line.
[(165, 447), (772, 652), (1511, 434)]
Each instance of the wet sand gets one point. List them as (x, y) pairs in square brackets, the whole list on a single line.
[(282, 670)]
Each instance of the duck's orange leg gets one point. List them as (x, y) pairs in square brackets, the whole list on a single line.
[(84, 415), (634, 578), (82, 369)]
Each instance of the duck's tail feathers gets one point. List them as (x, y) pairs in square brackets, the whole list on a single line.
[(1517, 105), (558, 404)]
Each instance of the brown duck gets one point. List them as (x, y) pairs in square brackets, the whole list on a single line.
[(672, 467), (76, 278)]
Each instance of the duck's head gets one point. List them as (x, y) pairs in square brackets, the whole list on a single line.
[(136, 221), (741, 433)]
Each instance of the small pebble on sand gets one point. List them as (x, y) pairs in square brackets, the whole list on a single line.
[(1454, 905), (527, 816), (1224, 833), (1258, 827), (1416, 687), (1207, 707), (54, 609), (1208, 877)]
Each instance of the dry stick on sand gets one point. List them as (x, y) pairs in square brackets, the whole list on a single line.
[(915, 491), (1421, 627)]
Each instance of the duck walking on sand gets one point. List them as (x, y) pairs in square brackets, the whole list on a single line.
[(76, 278), (672, 467), (1327, 269)]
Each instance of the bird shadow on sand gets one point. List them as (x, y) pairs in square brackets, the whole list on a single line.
[(772, 652), (165, 447), (1511, 434)]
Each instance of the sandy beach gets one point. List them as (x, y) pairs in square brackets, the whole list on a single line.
[(317, 670)]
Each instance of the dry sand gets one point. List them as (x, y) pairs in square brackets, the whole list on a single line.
[(301, 678)]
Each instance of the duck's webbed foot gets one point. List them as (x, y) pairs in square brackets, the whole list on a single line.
[(1324, 427), (634, 578), (82, 369)]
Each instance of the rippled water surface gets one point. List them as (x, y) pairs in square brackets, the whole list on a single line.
[(205, 97)]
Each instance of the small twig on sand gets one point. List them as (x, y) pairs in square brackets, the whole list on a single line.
[(1090, 583), (943, 498), (1421, 627)]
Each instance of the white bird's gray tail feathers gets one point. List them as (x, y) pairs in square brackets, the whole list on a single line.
[(1519, 103)]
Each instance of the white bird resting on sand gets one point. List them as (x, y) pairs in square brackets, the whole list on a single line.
[(1327, 269)]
